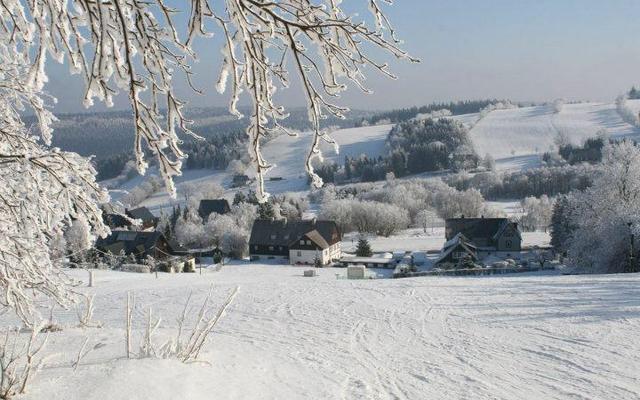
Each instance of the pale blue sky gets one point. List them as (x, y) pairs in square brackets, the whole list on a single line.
[(522, 50)]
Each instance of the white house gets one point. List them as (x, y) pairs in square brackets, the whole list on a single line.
[(299, 242)]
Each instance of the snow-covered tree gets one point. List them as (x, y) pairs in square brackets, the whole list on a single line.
[(189, 231), (489, 163), (217, 226), (78, 238), (235, 243), (426, 219), (603, 217), (537, 213)]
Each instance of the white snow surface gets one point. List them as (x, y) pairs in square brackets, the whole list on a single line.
[(288, 337)]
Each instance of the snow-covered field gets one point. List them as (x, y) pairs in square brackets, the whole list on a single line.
[(289, 337), (516, 138)]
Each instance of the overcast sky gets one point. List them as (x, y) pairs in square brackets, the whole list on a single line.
[(519, 49)]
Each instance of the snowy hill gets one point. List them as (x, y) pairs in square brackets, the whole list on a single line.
[(516, 138)]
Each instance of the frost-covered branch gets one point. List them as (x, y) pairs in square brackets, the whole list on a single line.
[(43, 191), (135, 47)]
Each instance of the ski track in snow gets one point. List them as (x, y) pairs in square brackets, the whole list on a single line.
[(285, 336)]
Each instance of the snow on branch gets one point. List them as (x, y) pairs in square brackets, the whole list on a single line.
[(134, 46)]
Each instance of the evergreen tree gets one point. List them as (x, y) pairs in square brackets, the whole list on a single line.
[(364, 248), (561, 228), (317, 262), (266, 211)]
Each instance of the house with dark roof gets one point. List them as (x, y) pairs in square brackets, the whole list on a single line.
[(208, 207), (139, 243), (299, 242), (456, 250), (142, 213), (488, 235)]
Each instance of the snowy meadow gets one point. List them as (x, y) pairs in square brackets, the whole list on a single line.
[(286, 336)]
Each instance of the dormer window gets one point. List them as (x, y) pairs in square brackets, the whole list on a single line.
[(302, 242)]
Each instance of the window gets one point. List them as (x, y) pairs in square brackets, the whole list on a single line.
[(299, 254), (508, 243), (302, 242), (308, 242), (273, 236), (270, 248), (255, 247)]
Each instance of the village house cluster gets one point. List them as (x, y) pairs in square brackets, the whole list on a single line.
[(470, 243)]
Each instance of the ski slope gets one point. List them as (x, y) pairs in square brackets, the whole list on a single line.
[(287, 154), (520, 337)]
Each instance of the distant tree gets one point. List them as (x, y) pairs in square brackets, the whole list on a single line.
[(317, 262), (363, 249)]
